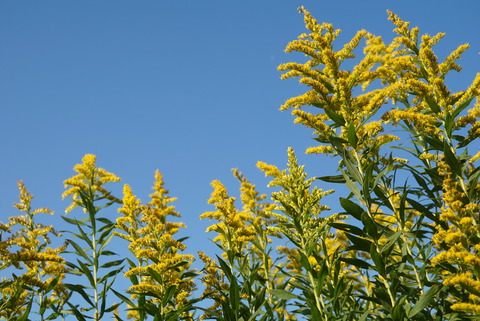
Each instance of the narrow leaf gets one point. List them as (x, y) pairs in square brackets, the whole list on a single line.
[(424, 300), (332, 179), (168, 294), (352, 208), (282, 294)]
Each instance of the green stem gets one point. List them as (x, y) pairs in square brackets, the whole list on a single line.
[(318, 298), (95, 273)]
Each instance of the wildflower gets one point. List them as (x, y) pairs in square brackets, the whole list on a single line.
[(151, 237), (90, 179), (27, 247)]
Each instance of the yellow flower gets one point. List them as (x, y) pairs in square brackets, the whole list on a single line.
[(323, 149), (89, 180), (152, 242), (24, 246), (466, 307)]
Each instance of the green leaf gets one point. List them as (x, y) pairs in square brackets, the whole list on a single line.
[(225, 268), (106, 236), (432, 104), (235, 295), (73, 221), (452, 160), (434, 143), (377, 259), (332, 179), (80, 290), (390, 244), (83, 236), (86, 270), (80, 251), (336, 118), (124, 298), (352, 208), (228, 313), (105, 221), (352, 186), (356, 262), (24, 316), (352, 167), (370, 225), (304, 261), (364, 316), (424, 300), (168, 294), (53, 283), (112, 263), (398, 312), (352, 135), (460, 108), (449, 121), (104, 242), (314, 310), (381, 195), (348, 228), (282, 294), (109, 275), (422, 209), (359, 243), (321, 274), (426, 188), (78, 314), (113, 307), (472, 183), (107, 252), (155, 275)]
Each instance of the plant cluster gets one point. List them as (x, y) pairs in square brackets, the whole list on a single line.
[(405, 246)]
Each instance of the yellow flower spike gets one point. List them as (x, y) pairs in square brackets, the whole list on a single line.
[(449, 63), (347, 51), (152, 242), (471, 92), (323, 149), (429, 60), (269, 170), (466, 307), (24, 246), (402, 26), (90, 179)]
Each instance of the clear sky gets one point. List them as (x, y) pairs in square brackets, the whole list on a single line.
[(186, 87)]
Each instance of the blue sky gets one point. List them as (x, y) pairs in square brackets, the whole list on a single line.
[(186, 87)]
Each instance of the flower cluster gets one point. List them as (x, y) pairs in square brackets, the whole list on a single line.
[(26, 247), (161, 267), (458, 240), (90, 179)]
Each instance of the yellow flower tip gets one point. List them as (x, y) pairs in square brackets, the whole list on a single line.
[(158, 177), (326, 149), (466, 307), (89, 159), (269, 170), (127, 190)]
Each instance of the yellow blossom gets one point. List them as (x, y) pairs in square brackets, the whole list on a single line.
[(90, 179)]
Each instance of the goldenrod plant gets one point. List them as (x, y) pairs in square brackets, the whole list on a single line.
[(398, 205), (37, 270), (243, 280), (162, 278), (90, 242), (400, 241), (319, 283)]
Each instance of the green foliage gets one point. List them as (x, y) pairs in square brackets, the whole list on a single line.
[(93, 263), (405, 246)]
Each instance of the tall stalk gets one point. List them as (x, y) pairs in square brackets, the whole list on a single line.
[(94, 233)]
